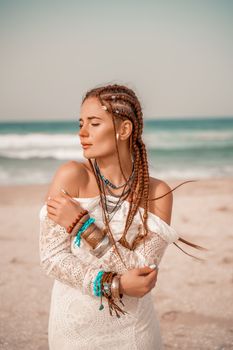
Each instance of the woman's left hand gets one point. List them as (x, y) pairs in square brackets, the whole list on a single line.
[(63, 210)]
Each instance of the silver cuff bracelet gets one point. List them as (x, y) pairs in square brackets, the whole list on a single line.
[(101, 247), (115, 287)]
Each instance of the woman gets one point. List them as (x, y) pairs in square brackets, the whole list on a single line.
[(103, 234)]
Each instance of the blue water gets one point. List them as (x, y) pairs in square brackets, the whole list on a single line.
[(30, 152)]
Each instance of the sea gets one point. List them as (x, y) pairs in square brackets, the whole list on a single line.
[(182, 148)]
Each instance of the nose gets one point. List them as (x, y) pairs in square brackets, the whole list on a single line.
[(83, 131)]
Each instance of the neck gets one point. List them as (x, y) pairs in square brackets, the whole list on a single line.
[(110, 168)]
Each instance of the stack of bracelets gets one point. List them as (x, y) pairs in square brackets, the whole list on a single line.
[(106, 284), (84, 228)]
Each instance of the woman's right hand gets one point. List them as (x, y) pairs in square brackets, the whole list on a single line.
[(138, 282)]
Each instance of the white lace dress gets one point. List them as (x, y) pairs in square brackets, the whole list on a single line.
[(75, 320)]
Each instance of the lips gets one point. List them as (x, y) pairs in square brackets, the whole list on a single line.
[(85, 145)]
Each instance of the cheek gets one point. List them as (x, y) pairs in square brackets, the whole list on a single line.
[(103, 142), (105, 135)]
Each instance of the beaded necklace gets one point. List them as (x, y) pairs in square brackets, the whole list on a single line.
[(108, 182), (112, 206), (104, 201)]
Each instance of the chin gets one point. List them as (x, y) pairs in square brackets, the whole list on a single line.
[(87, 154)]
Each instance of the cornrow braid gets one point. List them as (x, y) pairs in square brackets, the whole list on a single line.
[(122, 103)]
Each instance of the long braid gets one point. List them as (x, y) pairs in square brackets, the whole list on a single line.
[(122, 103), (105, 216)]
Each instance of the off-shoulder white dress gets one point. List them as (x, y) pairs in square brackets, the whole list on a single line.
[(75, 320)]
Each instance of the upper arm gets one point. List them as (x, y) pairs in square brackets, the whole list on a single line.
[(161, 207), (70, 177)]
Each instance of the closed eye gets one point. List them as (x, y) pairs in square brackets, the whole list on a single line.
[(80, 125)]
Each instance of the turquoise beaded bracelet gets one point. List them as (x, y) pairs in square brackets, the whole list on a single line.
[(97, 290), (82, 229)]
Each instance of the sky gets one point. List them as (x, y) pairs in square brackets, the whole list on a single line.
[(177, 56)]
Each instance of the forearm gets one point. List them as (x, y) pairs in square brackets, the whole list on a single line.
[(149, 250), (58, 261)]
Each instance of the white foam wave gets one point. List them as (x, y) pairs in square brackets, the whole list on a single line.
[(16, 141), (28, 146), (188, 139), (67, 146), (62, 154)]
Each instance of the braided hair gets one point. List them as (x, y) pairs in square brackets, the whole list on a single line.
[(122, 103)]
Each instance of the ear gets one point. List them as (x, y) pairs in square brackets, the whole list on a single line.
[(126, 129)]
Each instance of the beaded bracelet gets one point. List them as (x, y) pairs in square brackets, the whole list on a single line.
[(79, 224), (82, 229), (80, 215), (97, 288), (102, 287)]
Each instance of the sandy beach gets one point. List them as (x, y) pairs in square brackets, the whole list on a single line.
[(193, 299)]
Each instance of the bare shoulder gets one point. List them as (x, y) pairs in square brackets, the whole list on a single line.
[(162, 206), (69, 176)]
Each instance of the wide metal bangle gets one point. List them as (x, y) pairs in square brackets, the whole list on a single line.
[(95, 237), (115, 287), (101, 247)]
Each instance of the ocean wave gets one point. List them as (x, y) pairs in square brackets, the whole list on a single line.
[(16, 141), (76, 153), (188, 140), (60, 154), (193, 134), (59, 146), (67, 146)]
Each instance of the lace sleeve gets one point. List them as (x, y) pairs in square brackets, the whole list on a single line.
[(55, 254), (58, 261), (149, 251)]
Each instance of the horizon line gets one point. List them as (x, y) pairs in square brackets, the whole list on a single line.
[(145, 119)]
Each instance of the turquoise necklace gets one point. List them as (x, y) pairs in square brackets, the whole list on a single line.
[(108, 182), (112, 206)]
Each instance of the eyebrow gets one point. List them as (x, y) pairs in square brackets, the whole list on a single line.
[(90, 118)]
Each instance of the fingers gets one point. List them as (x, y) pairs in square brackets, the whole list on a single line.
[(67, 196), (51, 210), (52, 216), (57, 199), (53, 203), (65, 193), (61, 199), (142, 271), (151, 279), (153, 266)]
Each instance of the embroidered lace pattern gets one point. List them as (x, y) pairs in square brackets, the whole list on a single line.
[(75, 321)]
